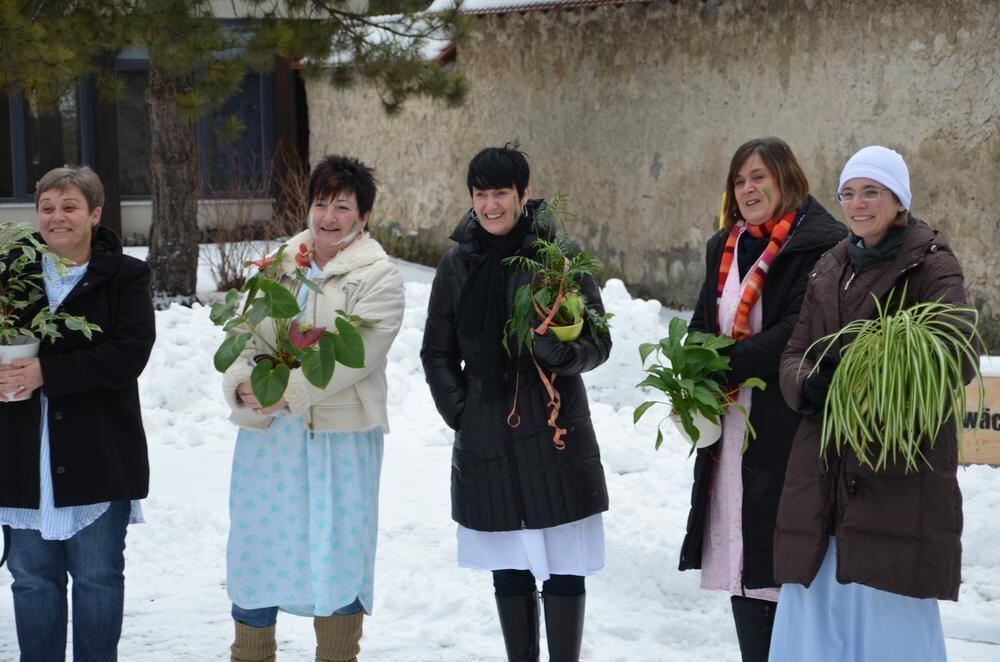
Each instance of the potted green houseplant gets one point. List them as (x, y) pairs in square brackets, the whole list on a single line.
[(689, 370), (552, 300), (899, 380), (22, 290), (263, 299)]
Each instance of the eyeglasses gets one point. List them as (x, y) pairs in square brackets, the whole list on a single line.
[(869, 194)]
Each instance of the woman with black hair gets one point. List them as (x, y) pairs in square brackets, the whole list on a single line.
[(525, 509)]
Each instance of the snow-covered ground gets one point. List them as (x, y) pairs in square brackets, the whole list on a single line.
[(639, 608)]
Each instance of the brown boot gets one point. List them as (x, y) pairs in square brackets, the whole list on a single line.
[(253, 644), (338, 637)]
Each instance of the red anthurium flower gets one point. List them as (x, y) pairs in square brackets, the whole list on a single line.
[(303, 336), (302, 257), (262, 263)]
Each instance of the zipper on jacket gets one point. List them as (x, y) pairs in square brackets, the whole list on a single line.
[(850, 280)]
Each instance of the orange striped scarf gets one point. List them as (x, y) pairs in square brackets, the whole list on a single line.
[(778, 230)]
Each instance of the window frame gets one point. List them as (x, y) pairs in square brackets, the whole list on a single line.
[(134, 59)]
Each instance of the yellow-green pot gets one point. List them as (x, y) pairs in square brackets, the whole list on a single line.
[(567, 333)]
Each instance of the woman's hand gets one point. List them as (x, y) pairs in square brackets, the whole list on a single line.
[(245, 393), (19, 378)]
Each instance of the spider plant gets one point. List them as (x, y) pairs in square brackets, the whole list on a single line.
[(692, 378), (899, 380), (553, 296)]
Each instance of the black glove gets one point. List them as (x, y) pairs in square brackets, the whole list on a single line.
[(817, 385), (551, 352)]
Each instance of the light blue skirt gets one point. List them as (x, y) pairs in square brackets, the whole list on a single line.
[(833, 622), (303, 518)]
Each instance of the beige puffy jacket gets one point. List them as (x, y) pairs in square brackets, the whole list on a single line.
[(359, 280)]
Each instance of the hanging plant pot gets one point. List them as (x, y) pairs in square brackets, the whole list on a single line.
[(708, 432), (20, 347)]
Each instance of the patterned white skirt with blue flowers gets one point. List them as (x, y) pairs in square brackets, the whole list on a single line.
[(303, 518)]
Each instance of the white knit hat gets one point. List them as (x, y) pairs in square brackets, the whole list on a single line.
[(883, 165)]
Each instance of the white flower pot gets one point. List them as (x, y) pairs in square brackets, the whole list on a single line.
[(22, 347), (708, 432)]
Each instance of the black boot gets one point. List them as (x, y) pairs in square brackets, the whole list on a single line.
[(754, 621), (564, 626), (519, 624)]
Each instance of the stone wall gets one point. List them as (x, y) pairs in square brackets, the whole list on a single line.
[(634, 111)]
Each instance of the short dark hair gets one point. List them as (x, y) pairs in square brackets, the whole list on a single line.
[(499, 167), (81, 177), (784, 167), (336, 174)]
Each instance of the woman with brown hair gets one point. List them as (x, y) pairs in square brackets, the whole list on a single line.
[(757, 268)]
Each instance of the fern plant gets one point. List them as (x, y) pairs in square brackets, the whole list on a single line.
[(553, 296)]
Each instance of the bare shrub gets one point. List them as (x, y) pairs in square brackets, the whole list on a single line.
[(233, 223), (290, 186)]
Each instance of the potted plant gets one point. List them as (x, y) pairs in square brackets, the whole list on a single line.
[(690, 372), (22, 295), (263, 299), (899, 380), (552, 300)]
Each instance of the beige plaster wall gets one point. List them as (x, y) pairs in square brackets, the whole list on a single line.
[(635, 112)]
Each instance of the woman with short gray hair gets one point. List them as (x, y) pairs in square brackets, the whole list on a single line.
[(74, 463)]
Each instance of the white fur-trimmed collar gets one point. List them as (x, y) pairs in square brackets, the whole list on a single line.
[(360, 253)]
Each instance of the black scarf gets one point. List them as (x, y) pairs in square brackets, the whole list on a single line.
[(482, 302), (884, 251)]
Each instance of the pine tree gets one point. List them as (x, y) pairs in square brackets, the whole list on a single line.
[(196, 63)]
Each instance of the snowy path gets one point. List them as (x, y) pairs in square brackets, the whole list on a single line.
[(640, 609)]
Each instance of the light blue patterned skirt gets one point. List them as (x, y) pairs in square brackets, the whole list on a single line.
[(303, 518), (833, 622)]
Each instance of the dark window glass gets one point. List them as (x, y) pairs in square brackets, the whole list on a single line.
[(234, 161), (51, 136), (6, 157), (133, 134)]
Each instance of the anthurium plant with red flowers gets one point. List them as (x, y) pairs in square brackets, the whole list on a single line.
[(264, 299)]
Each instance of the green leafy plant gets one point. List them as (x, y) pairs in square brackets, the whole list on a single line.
[(553, 297), (689, 370), (899, 380), (22, 288), (263, 299)]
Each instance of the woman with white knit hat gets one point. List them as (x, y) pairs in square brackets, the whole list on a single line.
[(864, 556)]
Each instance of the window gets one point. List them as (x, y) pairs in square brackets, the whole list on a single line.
[(33, 140), (236, 162), (6, 151), (51, 136), (133, 135)]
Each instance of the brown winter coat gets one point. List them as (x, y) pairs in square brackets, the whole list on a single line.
[(896, 532)]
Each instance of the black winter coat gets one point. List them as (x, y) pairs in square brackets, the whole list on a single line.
[(505, 478), (98, 447), (759, 356)]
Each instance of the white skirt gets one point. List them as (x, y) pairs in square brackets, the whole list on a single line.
[(575, 548)]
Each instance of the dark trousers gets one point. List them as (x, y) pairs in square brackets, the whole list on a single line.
[(754, 622), (510, 583)]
